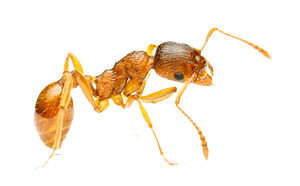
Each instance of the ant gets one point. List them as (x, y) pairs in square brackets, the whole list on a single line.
[(124, 84)]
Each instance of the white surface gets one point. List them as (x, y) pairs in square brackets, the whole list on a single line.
[(250, 119)]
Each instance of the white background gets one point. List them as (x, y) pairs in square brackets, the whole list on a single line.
[(250, 118)]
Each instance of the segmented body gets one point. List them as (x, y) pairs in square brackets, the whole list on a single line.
[(46, 112), (174, 61)]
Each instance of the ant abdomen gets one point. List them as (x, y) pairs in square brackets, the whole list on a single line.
[(46, 112)]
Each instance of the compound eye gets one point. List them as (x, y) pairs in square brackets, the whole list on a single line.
[(178, 76)]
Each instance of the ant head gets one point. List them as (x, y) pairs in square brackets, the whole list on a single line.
[(205, 74), (179, 62)]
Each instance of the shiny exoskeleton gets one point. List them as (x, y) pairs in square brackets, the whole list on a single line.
[(124, 83)]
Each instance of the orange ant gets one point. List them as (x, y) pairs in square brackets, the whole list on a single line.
[(124, 83)]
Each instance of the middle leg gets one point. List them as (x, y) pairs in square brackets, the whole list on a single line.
[(151, 98)]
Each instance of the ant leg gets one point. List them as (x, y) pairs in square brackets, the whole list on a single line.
[(76, 63), (146, 117), (85, 83), (265, 53), (57, 154), (151, 98), (204, 143), (119, 99), (150, 49), (138, 86), (132, 86), (132, 128), (154, 97), (81, 80), (141, 90), (99, 105), (64, 103), (159, 95)]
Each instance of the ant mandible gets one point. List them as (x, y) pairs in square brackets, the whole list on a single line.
[(124, 83)]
